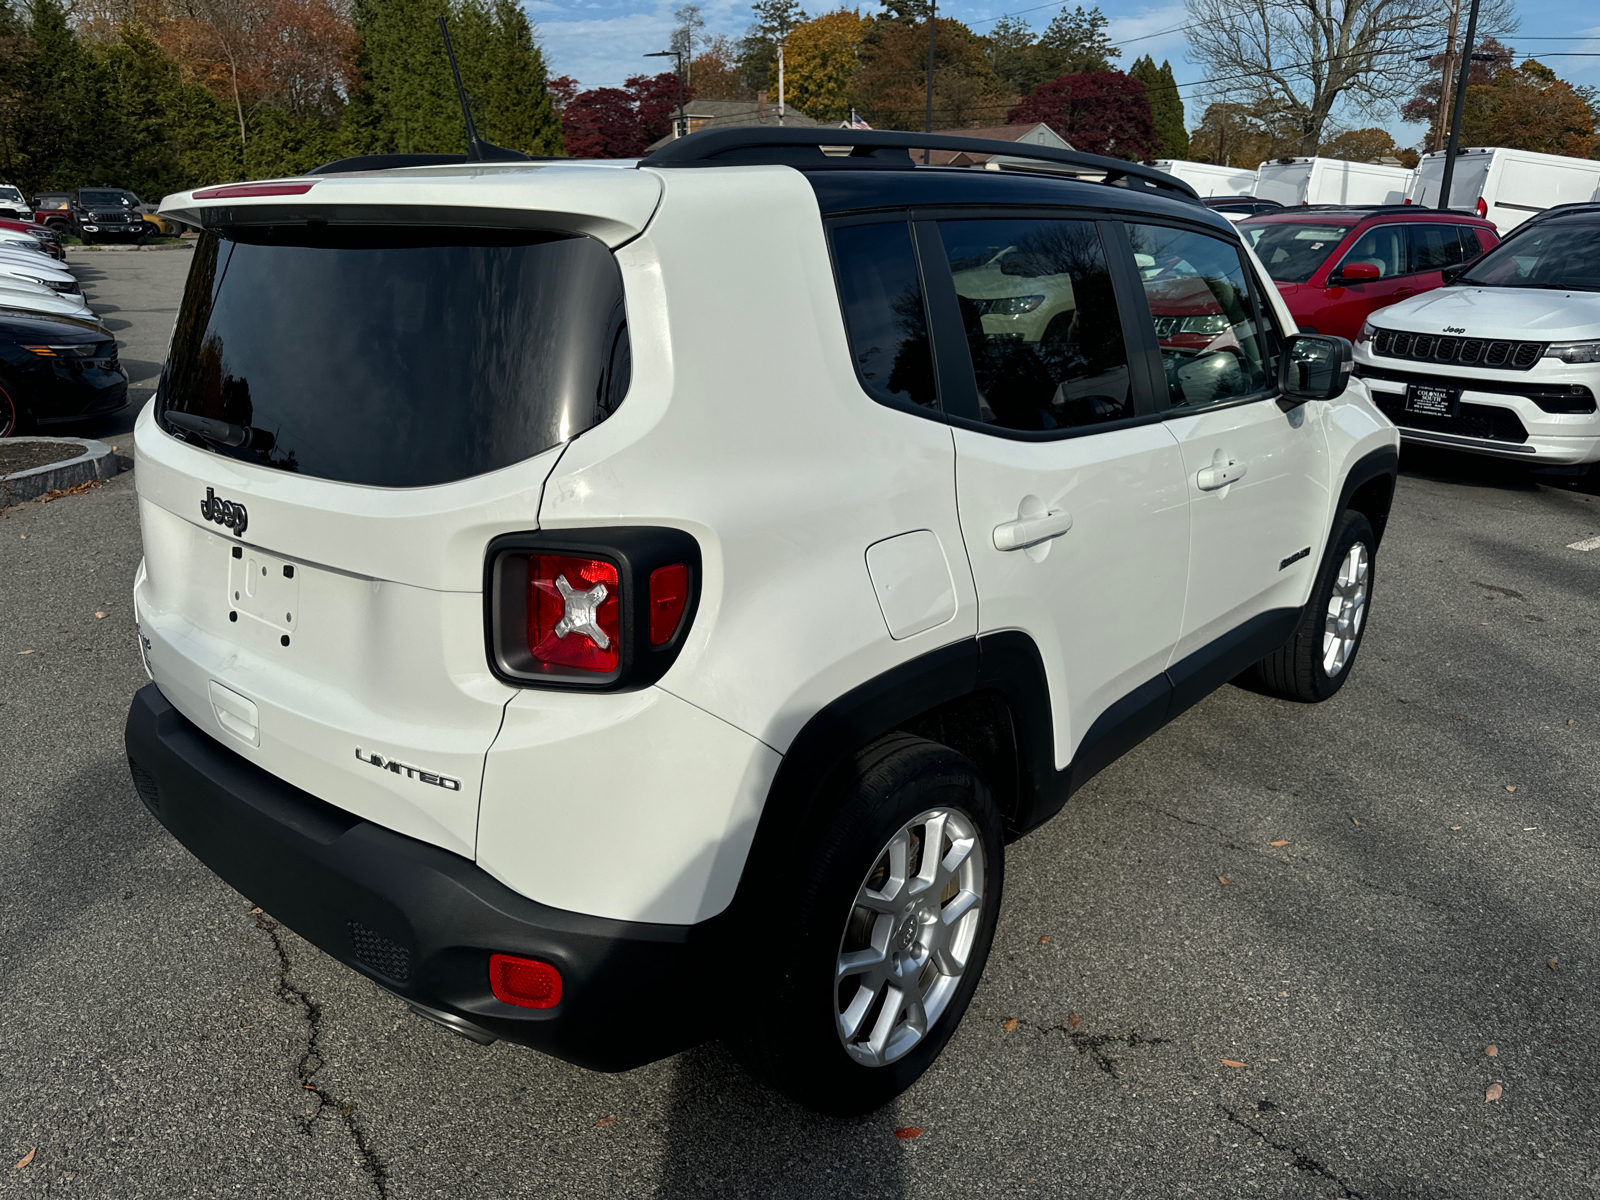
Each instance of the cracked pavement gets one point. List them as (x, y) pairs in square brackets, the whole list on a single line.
[(162, 1040)]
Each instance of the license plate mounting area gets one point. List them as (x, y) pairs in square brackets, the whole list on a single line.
[(264, 587), (1430, 401)]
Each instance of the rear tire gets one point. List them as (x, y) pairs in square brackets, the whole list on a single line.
[(1313, 664), (845, 1041), (11, 418)]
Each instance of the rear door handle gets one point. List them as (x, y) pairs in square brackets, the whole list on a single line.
[(1220, 473), (1404, 292), (1030, 531)]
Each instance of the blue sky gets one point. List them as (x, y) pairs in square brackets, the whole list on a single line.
[(600, 42)]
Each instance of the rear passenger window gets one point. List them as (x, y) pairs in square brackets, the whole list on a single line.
[(1213, 344), (1384, 247), (1472, 244), (1435, 247), (883, 311), (1041, 322)]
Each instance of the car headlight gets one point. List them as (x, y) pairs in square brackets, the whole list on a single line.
[(1212, 323), (1368, 329), (1009, 306), (1574, 352)]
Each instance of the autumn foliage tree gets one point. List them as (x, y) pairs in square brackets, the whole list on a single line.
[(1529, 108), (621, 122), (820, 59), (1104, 112), (889, 89)]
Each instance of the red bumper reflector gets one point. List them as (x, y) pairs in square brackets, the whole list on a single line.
[(525, 982), (227, 191), (669, 592)]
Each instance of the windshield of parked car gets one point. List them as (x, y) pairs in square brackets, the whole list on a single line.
[(103, 198), (397, 356), (1562, 255), (1292, 251), (10, 193)]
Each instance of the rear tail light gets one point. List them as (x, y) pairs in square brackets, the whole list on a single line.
[(525, 982), (605, 612), (1481, 207)]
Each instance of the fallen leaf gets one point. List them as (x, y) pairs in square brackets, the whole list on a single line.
[(20, 653), (1493, 1092), (1455, 827), (310, 1087), (1228, 1062), (1357, 820), (1279, 842), (1044, 941), (1223, 880), (1511, 787), (25, 538), (910, 1131), (606, 1122), (255, 912), (1009, 1025), (1073, 1020), (99, 616), (1553, 965), (1491, 1050), (26, 1159)]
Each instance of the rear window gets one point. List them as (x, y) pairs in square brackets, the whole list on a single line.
[(1292, 252), (396, 356)]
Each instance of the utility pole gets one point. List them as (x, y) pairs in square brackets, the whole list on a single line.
[(682, 127), (781, 110), (1445, 80), (1457, 108), (927, 119)]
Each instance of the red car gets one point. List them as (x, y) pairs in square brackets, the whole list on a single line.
[(1336, 266), (47, 236)]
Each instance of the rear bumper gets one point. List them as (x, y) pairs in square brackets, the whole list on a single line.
[(416, 919)]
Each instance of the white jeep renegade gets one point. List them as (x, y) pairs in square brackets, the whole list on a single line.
[(571, 588)]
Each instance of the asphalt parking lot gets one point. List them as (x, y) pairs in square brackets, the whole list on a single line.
[(1265, 954)]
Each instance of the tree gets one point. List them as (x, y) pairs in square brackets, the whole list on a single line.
[(1529, 108), (1103, 112), (1232, 135), (691, 26), (621, 122), (1292, 61), (1360, 145), (1424, 106), (890, 84), (1166, 107), (1077, 42), (1010, 47), (820, 59), (716, 73)]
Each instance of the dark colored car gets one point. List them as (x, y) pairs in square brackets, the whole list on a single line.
[(104, 213), (1237, 207), (1337, 266), (54, 370)]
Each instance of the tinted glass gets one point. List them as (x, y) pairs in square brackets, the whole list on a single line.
[(1384, 247), (1563, 255), (1213, 346), (1292, 252), (1435, 247), (1471, 244), (93, 197), (398, 357), (883, 311), (1041, 322)]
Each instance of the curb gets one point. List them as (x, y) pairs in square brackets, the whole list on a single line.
[(98, 461), (126, 249)]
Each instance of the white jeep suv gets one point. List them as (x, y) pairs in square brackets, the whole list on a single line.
[(1504, 359), (612, 606)]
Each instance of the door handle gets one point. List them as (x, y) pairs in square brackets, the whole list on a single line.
[(1030, 531), (1404, 292), (1220, 473)]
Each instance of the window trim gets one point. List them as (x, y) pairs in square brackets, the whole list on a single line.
[(1407, 226), (952, 357), (1266, 317), (937, 410)]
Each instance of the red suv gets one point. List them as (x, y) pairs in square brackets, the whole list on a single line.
[(1335, 266)]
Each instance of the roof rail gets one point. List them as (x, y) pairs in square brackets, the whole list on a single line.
[(744, 145), (390, 162), (1563, 210)]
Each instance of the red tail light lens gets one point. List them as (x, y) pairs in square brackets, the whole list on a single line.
[(525, 982), (574, 614), (669, 592), (1481, 207)]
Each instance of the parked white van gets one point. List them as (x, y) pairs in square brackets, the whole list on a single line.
[(1507, 186), (1293, 181), (1208, 179)]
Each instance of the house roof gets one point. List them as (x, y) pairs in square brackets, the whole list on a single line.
[(714, 114), (1037, 134)]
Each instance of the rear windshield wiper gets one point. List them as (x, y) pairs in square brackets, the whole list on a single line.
[(221, 432)]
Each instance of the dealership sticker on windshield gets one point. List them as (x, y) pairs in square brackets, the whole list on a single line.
[(1432, 401)]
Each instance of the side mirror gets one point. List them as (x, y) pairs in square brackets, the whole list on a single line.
[(1315, 366), (1358, 272), (1451, 274)]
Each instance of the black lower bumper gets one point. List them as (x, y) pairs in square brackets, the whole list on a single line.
[(418, 920)]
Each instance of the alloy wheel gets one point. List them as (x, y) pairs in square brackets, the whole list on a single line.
[(1347, 609), (909, 936)]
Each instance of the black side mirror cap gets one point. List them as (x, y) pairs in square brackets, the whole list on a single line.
[(1315, 366), (1452, 273)]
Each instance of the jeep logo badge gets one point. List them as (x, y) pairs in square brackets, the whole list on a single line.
[(224, 512), (1453, 329)]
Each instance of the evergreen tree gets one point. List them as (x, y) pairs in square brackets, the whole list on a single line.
[(1010, 52), (519, 112), (1166, 107)]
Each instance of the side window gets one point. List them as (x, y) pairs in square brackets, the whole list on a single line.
[(1384, 246), (1214, 347), (1471, 244), (883, 311), (1435, 247), (1041, 322)]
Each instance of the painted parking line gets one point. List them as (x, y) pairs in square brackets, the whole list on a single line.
[(1587, 544)]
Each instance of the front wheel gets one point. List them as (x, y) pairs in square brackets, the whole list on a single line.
[(10, 415), (1314, 663), (890, 925)]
